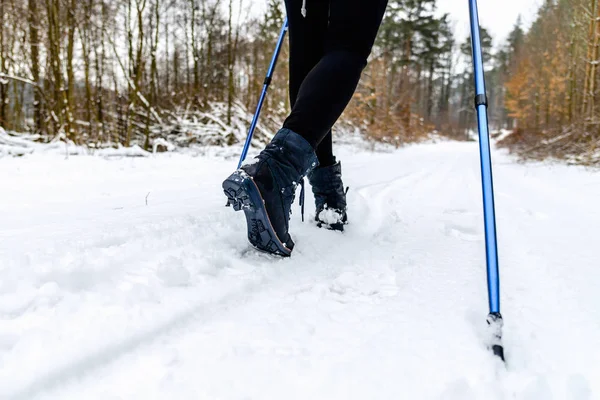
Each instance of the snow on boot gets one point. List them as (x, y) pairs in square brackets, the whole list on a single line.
[(330, 197), (265, 189)]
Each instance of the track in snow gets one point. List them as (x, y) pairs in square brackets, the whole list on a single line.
[(103, 296)]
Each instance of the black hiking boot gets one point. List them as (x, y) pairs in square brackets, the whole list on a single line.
[(265, 189), (330, 196)]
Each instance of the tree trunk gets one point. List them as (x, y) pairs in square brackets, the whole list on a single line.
[(99, 59), (595, 59), (430, 89), (136, 70), (229, 64), (85, 44), (590, 65), (194, 46), (34, 45), (153, 71), (3, 68), (71, 26), (55, 65)]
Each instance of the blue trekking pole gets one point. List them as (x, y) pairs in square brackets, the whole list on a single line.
[(263, 95), (494, 319)]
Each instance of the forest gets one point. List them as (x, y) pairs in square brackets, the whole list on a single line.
[(122, 72)]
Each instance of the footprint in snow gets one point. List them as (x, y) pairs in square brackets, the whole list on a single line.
[(458, 390), (578, 387), (457, 211), (466, 233), (540, 216), (172, 272), (539, 388)]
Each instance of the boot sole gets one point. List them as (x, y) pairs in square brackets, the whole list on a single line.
[(243, 195)]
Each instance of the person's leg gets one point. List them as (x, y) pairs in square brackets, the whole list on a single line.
[(307, 36), (265, 188), (329, 86), (325, 151)]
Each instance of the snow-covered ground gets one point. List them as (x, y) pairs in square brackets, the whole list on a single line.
[(129, 279)]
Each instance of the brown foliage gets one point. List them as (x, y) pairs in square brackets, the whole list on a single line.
[(553, 88)]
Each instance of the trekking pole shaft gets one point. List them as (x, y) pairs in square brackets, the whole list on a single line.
[(491, 245), (263, 94)]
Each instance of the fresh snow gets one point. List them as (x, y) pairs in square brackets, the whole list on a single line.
[(330, 216), (127, 278)]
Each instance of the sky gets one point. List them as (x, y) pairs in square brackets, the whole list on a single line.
[(498, 16)]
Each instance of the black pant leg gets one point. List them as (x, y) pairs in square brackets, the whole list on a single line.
[(307, 38), (307, 45), (329, 86)]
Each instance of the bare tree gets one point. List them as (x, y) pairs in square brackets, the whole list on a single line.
[(34, 45)]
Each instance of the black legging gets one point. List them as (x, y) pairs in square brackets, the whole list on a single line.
[(328, 51)]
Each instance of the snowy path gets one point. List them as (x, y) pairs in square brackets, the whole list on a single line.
[(105, 297)]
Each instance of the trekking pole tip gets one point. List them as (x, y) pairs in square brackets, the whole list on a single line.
[(495, 324)]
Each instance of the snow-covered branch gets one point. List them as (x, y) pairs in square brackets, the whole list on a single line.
[(4, 76)]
